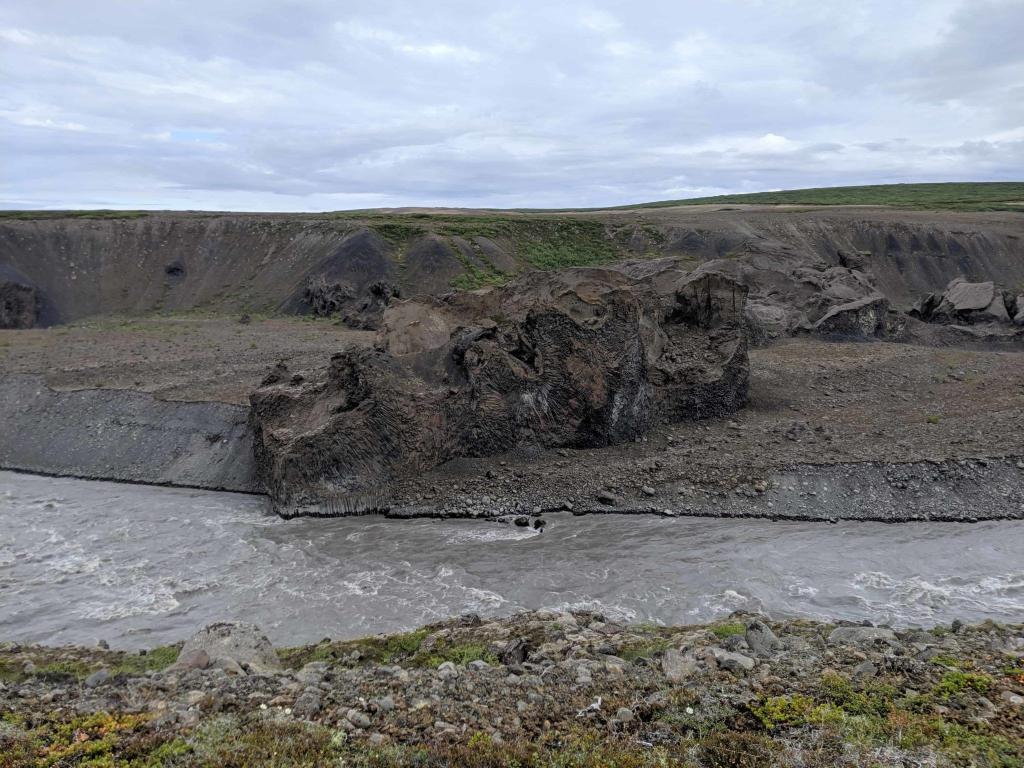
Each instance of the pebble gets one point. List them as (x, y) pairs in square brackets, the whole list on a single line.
[(383, 704), (678, 666), (1011, 698), (865, 670), (732, 662), (308, 705), (357, 718)]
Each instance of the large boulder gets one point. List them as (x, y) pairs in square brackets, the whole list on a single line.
[(230, 644), (355, 308), (787, 295), (578, 358), (19, 305), (1018, 303), (965, 302), (861, 318)]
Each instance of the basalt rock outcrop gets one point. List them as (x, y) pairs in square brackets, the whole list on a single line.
[(578, 358), (19, 305), (20, 302), (788, 295), (360, 309)]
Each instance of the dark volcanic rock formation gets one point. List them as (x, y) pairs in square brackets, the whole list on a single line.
[(580, 358), (19, 305), (360, 310), (789, 295)]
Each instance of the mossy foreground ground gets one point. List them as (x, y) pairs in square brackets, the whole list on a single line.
[(536, 689)]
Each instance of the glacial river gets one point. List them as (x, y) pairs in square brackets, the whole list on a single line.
[(139, 566)]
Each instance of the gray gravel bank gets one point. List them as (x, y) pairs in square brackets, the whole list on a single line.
[(127, 436)]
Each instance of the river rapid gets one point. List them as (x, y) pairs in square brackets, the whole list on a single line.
[(139, 566)]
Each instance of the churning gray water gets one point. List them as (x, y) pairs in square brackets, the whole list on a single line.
[(139, 566)]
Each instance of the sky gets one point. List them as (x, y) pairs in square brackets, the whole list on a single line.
[(307, 105)]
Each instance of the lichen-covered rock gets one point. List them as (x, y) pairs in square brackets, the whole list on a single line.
[(580, 358)]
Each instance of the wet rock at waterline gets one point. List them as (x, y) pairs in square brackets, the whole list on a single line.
[(577, 358)]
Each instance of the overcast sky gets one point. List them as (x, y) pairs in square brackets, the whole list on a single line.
[(330, 104)]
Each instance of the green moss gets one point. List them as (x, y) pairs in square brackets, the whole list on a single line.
[(398, 234), (957, 682), (783, 711), (875, 698), (229, 742), (156, 659), (381, 650), (394, 649), (457, 653), (64, 671), (722, 631), (96, 740), (644, 649), (977, 745)]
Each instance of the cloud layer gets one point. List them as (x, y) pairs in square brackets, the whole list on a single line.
[(316, 104)]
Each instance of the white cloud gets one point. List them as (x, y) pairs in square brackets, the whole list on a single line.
[(297, 106), (599, 21), (396, 42)]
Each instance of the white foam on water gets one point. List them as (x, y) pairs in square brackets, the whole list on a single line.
[(483, 534), (927, 599), (726, 602), (800, 589), (143, 598), (483, 599)]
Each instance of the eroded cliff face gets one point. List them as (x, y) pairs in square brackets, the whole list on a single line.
[(579, 358), (338, 264)]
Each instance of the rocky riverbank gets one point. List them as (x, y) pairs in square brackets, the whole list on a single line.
[(535, 689)]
